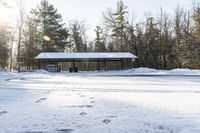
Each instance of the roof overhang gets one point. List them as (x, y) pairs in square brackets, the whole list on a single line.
[(53, 56)]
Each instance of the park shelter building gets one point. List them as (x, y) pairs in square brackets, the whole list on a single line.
[(77, 61)]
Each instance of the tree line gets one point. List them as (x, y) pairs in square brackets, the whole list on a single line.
[(164, 42)]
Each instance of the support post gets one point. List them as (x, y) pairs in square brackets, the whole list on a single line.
[(39, 64), (73, 65), (98, 65), (105, 65), (88, 63), (131, 63), (121, 61)]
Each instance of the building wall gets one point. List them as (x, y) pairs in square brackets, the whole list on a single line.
[(92, 65)]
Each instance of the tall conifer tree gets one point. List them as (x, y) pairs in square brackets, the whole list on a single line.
[(52, 31)]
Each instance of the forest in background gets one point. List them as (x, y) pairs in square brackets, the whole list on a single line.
[(165, 41)]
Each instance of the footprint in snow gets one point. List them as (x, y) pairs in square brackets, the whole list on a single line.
[(9, 79), (83, 113), (79, 106), (3, 112), (64, 130), (35, 132), (147, 124), (35, 125), (22, 78), (113, 116), (40, 100), (92, 102), (106, 121), (160, 128)]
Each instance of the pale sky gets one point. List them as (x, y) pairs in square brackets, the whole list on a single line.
[(91, 10)]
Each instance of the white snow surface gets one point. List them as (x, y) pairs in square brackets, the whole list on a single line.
[(178, 71), (133, 101), (140, 71), (78, 55)]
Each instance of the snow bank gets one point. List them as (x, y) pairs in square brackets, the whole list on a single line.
[(129, 72), (179, 71), (144, 70), (41, 71)]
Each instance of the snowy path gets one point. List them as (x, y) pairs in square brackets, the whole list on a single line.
[(61, 103)]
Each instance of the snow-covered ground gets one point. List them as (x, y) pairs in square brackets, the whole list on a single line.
[(104, 102)]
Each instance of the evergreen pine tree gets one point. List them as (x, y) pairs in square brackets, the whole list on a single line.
[(120, 25), (52, 32)]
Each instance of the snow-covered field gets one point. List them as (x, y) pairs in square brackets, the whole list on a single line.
[(105, 102)]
